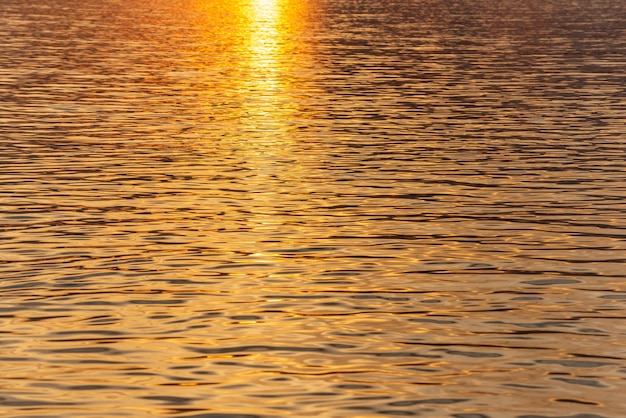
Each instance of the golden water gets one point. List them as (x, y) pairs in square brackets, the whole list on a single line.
[(312, 208)]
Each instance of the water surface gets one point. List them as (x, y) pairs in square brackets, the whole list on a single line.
[(269, 208)]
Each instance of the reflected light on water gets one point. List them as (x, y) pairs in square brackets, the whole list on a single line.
[(251, 61), (268, 105), (265, 15), (311, 208), (263, 114)]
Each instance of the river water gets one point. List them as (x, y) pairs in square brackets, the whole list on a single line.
[(312, 208)]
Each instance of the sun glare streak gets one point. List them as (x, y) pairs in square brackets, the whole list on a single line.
[(264, 43), (261, 43), (269, 105), (266, 10)]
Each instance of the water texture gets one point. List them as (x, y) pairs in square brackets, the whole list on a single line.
[(312, 208)]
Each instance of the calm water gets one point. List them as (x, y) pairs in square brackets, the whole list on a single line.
[(312, 208)]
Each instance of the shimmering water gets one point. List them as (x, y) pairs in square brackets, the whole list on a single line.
[(312, 208)]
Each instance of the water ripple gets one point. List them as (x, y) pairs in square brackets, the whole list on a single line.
[(267, 208)]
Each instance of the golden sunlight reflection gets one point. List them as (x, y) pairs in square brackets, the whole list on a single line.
[(269, 107), (298, 208), (256, 104), (253, 60)]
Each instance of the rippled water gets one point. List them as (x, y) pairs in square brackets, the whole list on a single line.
[(347, 208)]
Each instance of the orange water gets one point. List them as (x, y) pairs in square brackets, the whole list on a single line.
[(314, 208)]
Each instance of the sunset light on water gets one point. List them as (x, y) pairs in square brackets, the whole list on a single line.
[(282, 208), (265, 88)]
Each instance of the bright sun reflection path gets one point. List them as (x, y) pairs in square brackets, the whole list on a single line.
[(268, 110), (266, 9), (268, 105), (265, 35)]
